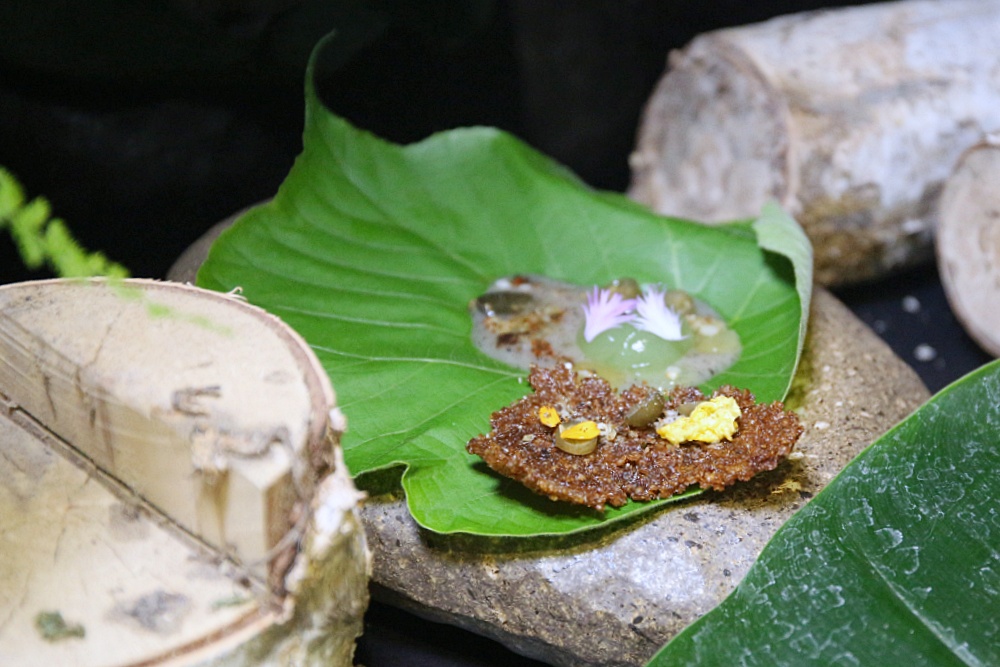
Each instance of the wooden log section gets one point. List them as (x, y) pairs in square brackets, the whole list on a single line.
[(171, 487), (968, 243), (850, 118)]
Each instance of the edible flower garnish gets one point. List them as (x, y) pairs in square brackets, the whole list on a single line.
[(649, 312), (656, 317), (605, 310), (584, 430), (548, 416), (579, 438)]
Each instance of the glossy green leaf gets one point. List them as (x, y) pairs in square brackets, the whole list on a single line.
[(372, 251), (895, 562)]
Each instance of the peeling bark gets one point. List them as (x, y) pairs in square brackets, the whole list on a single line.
[(850, 118), (968, 243), (172, 490)]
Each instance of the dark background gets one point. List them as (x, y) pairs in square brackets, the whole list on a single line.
[(146, 122), (143, 127)]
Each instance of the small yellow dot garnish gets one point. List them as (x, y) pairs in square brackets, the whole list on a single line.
[(710, 421), (548, 416), (586, 430)]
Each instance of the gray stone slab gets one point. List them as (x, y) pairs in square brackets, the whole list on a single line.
[(616, 598)]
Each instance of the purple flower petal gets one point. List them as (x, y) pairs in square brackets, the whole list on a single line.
[(605, 310), (656, 317)]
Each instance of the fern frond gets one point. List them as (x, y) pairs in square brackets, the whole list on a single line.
[(41, 240)]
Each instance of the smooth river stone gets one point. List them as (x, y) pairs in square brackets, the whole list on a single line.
[(615, 598)]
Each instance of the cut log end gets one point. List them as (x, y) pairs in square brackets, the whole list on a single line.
[(713, 142), (845, 117), (175, 494), (968, 243)]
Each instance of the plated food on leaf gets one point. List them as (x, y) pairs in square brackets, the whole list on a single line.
[(577, 438), (373, 252), (637, 444)]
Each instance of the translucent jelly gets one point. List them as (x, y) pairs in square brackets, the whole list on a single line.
[(633, 330)]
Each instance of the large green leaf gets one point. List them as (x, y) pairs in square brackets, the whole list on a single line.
[(372, 251), (895, 562)]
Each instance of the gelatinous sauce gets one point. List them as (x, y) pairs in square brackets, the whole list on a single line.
[(525, 320)]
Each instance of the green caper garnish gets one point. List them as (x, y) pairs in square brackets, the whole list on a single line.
[(679, 301), (646, 411)]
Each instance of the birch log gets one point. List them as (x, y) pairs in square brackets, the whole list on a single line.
[(171, 488), (850, 118), (968, 243)]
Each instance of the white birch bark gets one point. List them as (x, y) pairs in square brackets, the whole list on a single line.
[(968, 243), (850, 118), (171, 489)]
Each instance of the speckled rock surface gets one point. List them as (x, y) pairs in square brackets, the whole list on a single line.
[(616, 599)]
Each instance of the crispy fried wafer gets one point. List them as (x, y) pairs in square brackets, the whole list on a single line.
[(629, 462)]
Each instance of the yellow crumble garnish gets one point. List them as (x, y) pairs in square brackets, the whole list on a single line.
[(711, 421)]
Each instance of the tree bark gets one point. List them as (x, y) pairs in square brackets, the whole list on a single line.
[(968, 243), (172, 491), (850, 118)]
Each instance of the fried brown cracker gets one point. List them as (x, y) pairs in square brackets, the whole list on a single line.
[(628, 462)]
